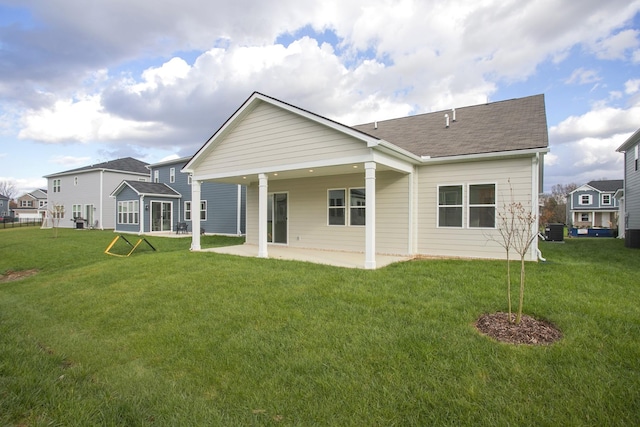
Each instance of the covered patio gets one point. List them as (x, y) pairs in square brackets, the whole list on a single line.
[(333, 258)]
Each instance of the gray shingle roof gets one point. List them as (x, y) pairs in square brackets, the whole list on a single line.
[(157, 188), (516, 124), (609, 185), (125, 164)]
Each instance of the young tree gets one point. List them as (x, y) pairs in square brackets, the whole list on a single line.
[(515, 225), (8, 189), (55, 212)]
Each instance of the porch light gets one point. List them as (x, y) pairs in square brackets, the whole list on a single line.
[(310, 170)]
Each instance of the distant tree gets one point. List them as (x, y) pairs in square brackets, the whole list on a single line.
[(8, 188)]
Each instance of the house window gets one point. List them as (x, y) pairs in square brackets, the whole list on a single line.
[(584, 217), (75, 180), (637, 148), (26, 203), (128, 212), (450, 206), (203, 210), (482, 206), (187, 211), (172, 175), (76, 211), (42, 203), (337, 207), (357, 206), (606, 199), (189, 179), (156, 176), (585, 199), (56, 185)]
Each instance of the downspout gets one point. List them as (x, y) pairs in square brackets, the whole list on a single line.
[(535, 187), (141, 212)]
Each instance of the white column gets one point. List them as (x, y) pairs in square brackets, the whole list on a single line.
[(370, 195), (195, 214), (263, 194)]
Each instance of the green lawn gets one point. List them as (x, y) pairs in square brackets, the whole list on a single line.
[(173, 338)]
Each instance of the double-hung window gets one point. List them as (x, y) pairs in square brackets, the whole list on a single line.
[(482, 206), (56, 185), (606, 199), (339, 208), (76, 211), (172, 175), (203, 210), (585, 199), (129, 212), (450, 206)]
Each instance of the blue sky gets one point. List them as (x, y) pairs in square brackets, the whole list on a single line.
[(153, 81)]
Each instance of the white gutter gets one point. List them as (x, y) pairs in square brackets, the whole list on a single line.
[(483, 156)]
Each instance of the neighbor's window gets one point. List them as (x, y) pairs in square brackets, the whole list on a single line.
[(203, 210), (606, 199), (584, 217), (172, 175), (76, 211), (482, 205), (128, 212), (187, 211), (585, 199), (450, 206), (337, 207), (189, 179), (357, 206), (156, 176), (636, 157), (56, 185)]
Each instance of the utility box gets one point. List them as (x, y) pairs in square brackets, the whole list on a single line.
[(554, 232)]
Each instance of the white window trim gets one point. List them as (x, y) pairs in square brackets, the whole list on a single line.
[(585, 220), (590, 198), (76, 211), (494, 205), (203, 210), (344, 207), (156, 176), (133, 208), (187, 210), (602, 197), (461, 206), (172, 175)]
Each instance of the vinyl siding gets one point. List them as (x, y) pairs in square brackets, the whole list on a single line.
[(307, 216), (269, 137), (632, 190), (222, 201), (468, 242)]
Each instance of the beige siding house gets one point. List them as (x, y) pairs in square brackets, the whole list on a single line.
[(428, 185)]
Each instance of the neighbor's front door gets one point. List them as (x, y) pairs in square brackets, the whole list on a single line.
[(277, 218), (160, 216)]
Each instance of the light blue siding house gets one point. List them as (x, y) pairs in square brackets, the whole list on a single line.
[(164, 204), (592, 206), (630, 195)]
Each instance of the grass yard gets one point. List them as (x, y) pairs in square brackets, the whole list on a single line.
[(172, 338)]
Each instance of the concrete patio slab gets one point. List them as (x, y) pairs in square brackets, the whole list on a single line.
[(334, 258)]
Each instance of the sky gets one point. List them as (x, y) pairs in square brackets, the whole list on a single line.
[(82, 82)]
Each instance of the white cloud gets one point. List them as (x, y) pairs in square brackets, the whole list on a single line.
[(632, 86), (70, 161), (617, 46), (583, 76)]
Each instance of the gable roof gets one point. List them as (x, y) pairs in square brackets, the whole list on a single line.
[(607, 186), (630, 142), (125, 164), (504, 126), (143, 188), (516, 124)]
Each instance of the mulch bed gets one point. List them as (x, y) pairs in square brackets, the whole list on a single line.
[(530, 331)]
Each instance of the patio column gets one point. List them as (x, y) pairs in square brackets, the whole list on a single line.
[(195, 214), (370, 218), (263, 195)]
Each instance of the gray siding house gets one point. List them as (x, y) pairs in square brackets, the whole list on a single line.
[(430, 184), (83, 194), (630, 196), (594, 205), (165, 202), (5, 208)]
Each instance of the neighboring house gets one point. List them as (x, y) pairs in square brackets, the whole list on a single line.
[(159, 206), (630, 195), (5, 208), (429, 184), (82, 194), (593, 205), (32, 206)]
